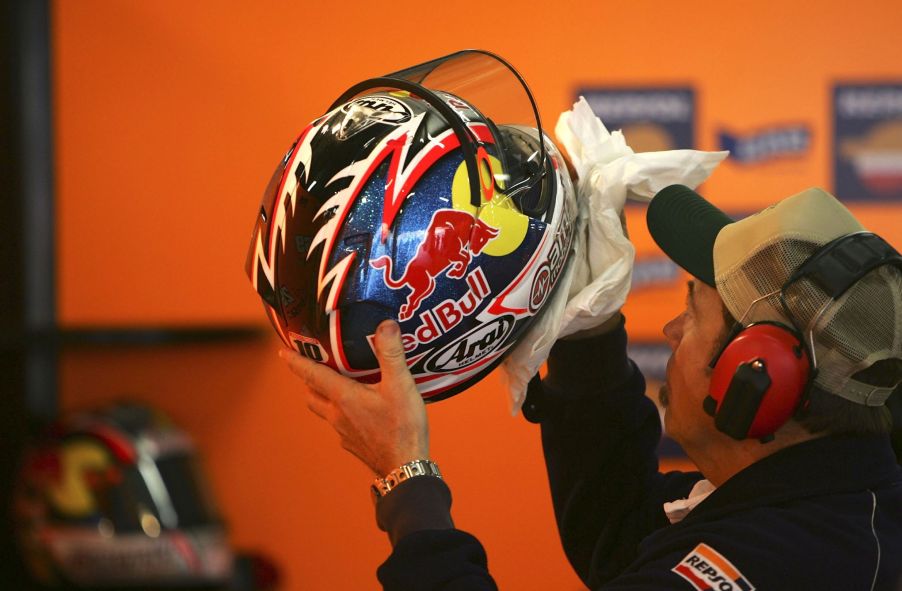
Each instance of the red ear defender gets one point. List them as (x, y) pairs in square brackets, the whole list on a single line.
[(758, 381)]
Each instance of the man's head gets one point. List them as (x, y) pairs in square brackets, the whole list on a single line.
[(849, 319), (694, 337)]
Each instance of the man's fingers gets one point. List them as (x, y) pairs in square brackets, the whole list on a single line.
[(318, 377), (319, 405), (390, 351)]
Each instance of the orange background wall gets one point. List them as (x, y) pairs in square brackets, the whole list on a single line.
[(170, 117)]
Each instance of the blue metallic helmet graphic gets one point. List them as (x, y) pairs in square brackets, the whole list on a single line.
[(429, 196)]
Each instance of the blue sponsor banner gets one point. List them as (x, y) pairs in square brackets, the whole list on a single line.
[(867, 141), (651, 118), (653, 271), (651, 358), (766, 145)]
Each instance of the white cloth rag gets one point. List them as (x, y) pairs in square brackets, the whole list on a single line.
[(595, 284)]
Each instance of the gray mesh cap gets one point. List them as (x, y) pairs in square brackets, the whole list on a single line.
[(750, 260)]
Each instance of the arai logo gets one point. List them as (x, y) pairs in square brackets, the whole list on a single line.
[(368, 110), (471, 347), (383, 108)]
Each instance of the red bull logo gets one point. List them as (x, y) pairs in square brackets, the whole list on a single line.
[(452, 239)]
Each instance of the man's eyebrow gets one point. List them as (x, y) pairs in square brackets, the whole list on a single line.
[(690, 297)]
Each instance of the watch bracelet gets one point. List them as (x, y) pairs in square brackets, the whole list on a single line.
[(383, 486)]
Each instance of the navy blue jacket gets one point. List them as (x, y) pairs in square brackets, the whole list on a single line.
[(824, 514)]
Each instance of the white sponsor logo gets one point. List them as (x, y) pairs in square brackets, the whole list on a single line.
[(471, 347), (631, 106), (869, 102)]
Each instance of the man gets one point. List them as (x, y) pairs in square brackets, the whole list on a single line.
[(804, 494)]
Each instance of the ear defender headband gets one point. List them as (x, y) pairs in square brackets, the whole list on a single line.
[(761, 375)]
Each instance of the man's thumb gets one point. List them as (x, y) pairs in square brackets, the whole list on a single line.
[(389, 350)]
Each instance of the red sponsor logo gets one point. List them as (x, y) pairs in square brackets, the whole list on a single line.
[(707, 570), (541, 287), (547, 275), (448, 313), (452, 238)]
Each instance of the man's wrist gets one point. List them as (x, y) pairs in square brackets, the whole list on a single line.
[(421, 504), (589, 366), (596, 331), (421, 467)]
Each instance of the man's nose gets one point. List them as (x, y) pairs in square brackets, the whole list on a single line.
[(673, 331)]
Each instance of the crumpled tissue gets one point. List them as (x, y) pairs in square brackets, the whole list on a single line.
[(597, 280)]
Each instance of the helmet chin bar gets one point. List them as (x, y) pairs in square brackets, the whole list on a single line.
[(468, 141)]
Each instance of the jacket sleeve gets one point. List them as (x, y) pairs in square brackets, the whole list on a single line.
[(449, 559), (599, 434), (428, 553)]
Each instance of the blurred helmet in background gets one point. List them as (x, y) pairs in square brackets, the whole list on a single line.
[(116, 499), (429, 196)]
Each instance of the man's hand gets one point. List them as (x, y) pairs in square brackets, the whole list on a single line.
[(383, 424)]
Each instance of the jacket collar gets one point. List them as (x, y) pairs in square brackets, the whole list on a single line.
[(826, 465)]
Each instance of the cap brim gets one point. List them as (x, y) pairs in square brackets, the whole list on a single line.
[(684, 225)]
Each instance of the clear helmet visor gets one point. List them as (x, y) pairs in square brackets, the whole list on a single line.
[(471, 88)]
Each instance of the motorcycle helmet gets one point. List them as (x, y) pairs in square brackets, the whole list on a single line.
[(429, 196), (114, 499)]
